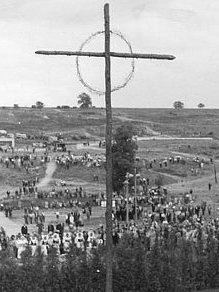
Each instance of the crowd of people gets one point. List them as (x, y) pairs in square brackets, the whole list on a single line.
[(24, 161), (196, 163), (158, 215), (165, 216), (57, 236), (68, 160)]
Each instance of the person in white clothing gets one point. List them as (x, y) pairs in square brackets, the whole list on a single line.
[(21, 243), (44, 244)]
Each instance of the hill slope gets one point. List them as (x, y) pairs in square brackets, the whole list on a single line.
[(91, 123)]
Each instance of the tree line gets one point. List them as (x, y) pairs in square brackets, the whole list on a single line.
[(180, 105), (84, 102)]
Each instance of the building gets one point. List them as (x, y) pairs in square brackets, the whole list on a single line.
[(7, 140)]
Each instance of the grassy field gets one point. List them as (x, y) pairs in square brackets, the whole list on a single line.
[(79, 124), (186, 122)]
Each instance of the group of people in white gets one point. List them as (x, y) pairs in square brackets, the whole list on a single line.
[(60, 242)]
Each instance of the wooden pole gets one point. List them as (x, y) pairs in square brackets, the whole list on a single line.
[(135, 181), (102, 54), (108, 153), (127, 202), (69, 53), (142, 56), (215, 172)]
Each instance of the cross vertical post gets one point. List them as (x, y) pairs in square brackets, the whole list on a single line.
[(127, 201), (135, 190), (215, 172), (107, 54), (108, 152)]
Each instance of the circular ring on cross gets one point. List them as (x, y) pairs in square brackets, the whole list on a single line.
[(117, 87)]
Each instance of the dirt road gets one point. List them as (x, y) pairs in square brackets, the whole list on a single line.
[(51, 167)]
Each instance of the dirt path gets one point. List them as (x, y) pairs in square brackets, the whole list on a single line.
[(149, 130), (175, 177), (51, 167), (190, 155)]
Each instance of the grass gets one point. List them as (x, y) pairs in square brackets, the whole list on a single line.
[(13, 177), (186, 122), (91, 123), (80, 172)]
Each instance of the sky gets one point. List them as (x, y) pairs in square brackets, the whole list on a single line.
[(187, 29)]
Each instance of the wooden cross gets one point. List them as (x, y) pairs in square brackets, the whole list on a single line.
[(107, 55)]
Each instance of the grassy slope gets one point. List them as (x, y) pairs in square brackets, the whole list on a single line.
[(92, 122), (184, 122)]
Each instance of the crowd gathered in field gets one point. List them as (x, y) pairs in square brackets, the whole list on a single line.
[(196, 164), (158, 216), (55, 238), (24, 161), (68, 160)]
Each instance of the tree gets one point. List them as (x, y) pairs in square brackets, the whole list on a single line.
[(178, 104), (39, 104), (123, 153), (16, 105), (201, 105), (84, 100), (159, 180)]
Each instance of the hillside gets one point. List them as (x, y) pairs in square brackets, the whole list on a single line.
[(82, 124)]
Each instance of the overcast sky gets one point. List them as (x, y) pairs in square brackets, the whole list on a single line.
[(188, 29)]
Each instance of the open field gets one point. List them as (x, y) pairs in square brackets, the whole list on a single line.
[(81, 124)]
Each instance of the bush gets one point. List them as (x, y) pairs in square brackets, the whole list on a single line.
[(159, 180)]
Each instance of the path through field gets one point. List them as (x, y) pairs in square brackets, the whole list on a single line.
[(51, 167)]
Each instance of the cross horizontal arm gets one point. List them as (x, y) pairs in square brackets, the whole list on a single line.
[(69, 53), (142, 56), (112, 54)]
